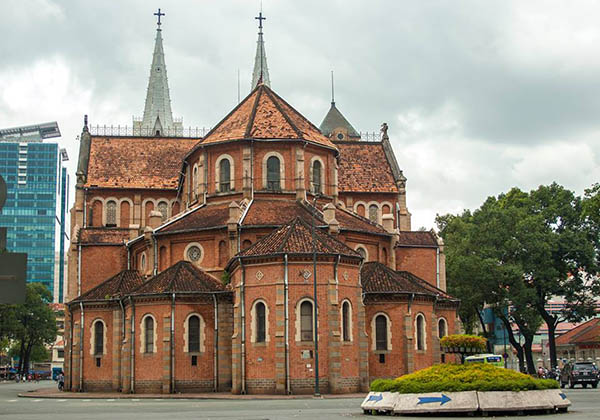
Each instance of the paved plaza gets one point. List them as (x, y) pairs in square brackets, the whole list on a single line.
[(586, 405)]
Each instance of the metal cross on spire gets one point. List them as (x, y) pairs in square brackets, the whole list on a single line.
[(260, 18), (159, 14)]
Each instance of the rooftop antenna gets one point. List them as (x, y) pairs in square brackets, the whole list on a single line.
[(332, 92), (238, 85)]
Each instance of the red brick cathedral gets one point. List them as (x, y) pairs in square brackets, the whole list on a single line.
[(258, 258)]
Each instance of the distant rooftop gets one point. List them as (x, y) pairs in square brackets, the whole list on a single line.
[(30, 133)]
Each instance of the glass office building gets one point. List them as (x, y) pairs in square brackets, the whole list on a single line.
[(30, 169)]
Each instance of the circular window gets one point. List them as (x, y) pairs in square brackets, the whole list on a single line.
[(194, 253), (340, 136)]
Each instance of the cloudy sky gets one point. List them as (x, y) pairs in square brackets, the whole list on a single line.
[(479, 96)]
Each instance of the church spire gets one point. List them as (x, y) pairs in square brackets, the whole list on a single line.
[(158, 117), (261, 71)]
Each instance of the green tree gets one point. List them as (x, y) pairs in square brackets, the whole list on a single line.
[(36, 324)]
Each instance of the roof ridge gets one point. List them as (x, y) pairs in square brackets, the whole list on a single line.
[(284, 114), (253, 112), (298, 112), (291, 225), (96, 287), (179, 264)]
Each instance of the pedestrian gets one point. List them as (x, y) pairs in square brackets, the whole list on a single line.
[(61, 381)]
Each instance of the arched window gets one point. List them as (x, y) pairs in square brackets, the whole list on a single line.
[(149, 335), (317, 187), (420, 332), (111, 213), (346, 321), (442, 328), (194, 334), (224, 175), (261, 322), (381, 333), (223, 253), (195, 183), (98, 338), (163, 209), (306, 321), (362, 252), (246, 243), (273, 174), (373, 213), (143, 263)]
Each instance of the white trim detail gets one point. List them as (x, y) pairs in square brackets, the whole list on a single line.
[(93, 337), (445, 322), (281, 169), (364, 248), (350, 322), (143, 334), (374, 331), (185, 253), (228, 157), (297, 324), (416, 326), (254, 320), (311, 175), (185, 332)]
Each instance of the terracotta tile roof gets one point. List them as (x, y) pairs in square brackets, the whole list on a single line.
[(364, 167), (263, 212), (265, 115), (180, 277), (417, 239), (117, 286), (588, 332), (378, 278), (354, 222), (101, 235), (134, 162), (204, 217), (295, 237)]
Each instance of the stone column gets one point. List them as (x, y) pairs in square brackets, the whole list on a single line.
[(126, 358), (236, 345), (408, 348), (435, 339), (165, 352), (279, 337), (225, 313), (116, 349), (300, 187), (334, 358), (247, 172), (363, 343)]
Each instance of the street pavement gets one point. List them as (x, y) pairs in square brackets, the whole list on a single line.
[(586, 405)]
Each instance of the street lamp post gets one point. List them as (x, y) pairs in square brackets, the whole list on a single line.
[(316, 310)]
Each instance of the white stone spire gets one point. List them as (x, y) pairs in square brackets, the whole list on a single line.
[(158, 117), (261, 71)]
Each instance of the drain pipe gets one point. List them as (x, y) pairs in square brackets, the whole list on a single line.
[(81, 340), (243, 316), (216, 350), (288, 389), (155, 243), (78, 267), (172, 345), (132, 355), (437, 267), (128, 258), (71, 351), (121, 344)]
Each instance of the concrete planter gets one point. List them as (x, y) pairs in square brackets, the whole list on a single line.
[(549, 401)]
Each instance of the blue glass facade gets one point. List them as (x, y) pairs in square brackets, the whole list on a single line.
[(30, 172)]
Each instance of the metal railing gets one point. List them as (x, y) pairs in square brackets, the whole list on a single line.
[(370, 136), (129, 131)]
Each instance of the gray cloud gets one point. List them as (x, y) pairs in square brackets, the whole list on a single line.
[(480, 96)]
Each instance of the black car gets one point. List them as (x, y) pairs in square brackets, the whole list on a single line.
[(583, 373)]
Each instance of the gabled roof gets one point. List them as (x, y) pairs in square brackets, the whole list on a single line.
[(588, 332), (103, 236), (364, 167), (419, 239), (333, 120), (264, 115), (136, 162), (378, 278), (204, 217), (180, 277), (115, 287), (296, 237)]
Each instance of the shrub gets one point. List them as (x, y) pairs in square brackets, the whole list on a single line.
[(464, 341), (457, 378)]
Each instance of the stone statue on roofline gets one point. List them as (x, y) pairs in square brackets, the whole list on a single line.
[(384, 130)]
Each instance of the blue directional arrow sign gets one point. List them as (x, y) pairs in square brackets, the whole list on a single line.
[(563, 396), (426, 400), (375, 398)]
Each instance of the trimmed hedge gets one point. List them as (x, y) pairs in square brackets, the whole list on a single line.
[(457, 378), (464, 341)]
